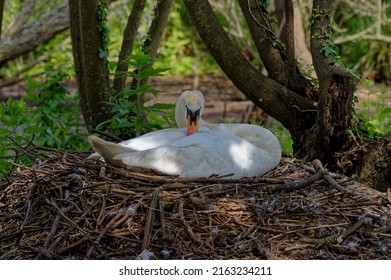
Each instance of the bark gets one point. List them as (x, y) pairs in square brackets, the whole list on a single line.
[(1, 15), (375, 167), (155, 32), (336, 88), (91, 72), (127, 44), (272, 97), (273, 57), (21, 39), (290, 34), (302, 52)]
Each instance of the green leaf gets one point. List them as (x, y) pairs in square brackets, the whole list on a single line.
[(162, 106), (149, 72)]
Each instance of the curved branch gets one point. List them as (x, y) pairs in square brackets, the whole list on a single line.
[(275, 99), (35, 33), (265, 41)]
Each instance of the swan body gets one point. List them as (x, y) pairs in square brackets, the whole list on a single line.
[(196, 148)]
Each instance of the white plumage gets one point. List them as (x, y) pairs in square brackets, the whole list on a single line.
[(237, 150)]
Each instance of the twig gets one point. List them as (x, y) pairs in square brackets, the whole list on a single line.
[(188, 228), (65, 235), (149, 219), (24, 149), (44, 250), (102, 233), (68, 219), (294, 185), (264, 251), (325, 174), (107, 134)]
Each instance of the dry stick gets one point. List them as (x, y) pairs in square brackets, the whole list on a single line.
[(339, 237), (107, 134), (334, 184), (102, 210), (163, 227), (45, 252), (126, 216), (102, 233), (107, 227), (149, 219), (70, 220), (188, 228), (264, 251), (319, 168), (294, 185), (65, 235), (73, 245)]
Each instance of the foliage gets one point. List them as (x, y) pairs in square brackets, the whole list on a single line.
[(47, 116), (370, 55), (131, 115), (103, 28), (373, 120), (182, 47), (282, 134)]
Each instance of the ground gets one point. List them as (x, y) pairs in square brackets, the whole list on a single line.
[(69, 207)]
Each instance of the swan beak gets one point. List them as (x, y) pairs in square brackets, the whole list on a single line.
[(192, 121)]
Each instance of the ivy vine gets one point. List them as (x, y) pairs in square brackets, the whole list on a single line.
[(102, 27)]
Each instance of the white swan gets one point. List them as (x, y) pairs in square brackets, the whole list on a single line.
[(196, 148)]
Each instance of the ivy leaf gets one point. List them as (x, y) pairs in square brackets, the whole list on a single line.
[(102, 53)]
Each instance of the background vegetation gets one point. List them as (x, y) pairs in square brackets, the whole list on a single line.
[(49, 115)]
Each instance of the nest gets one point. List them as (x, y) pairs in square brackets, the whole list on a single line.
[(68, 207)]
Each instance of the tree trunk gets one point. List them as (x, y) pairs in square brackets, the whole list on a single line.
[(127, 44), (91, 72), (318, 119), (336, 89)]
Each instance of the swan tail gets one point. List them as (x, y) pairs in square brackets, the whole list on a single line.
[(107, 150)]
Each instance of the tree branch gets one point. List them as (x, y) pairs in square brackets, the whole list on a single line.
[(127, 44), (290, 34), (155, 32), (47, 26), (1, 15), (270, 96), (273, 58)]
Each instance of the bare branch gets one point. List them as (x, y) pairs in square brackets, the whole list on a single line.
[(266, 93), (47, 26), (127, 43), (1, 15), (290, 33), (266, 43)]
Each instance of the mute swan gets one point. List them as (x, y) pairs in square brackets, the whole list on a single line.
[(196, 148)]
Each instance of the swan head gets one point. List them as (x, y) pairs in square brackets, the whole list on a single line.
[(188, 110)]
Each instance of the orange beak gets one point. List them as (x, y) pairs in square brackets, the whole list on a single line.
[(192, 126), (192, 121)]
